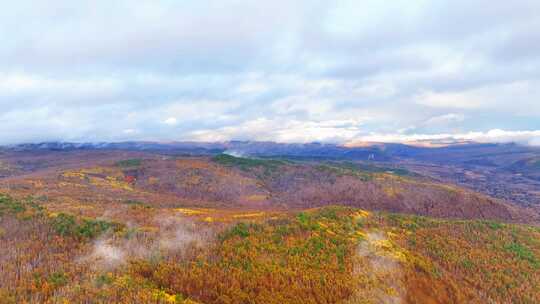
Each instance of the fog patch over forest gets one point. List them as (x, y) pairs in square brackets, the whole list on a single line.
[(173, 236)]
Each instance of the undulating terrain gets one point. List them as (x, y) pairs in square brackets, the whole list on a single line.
[(265, 223)]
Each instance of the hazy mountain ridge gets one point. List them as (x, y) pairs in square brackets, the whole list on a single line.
[(505, 171), (386, 151)]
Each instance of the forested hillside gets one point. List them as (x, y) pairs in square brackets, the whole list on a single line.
[(328, 255), (117, 227)]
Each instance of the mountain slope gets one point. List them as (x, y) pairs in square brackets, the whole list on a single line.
[(324, 255), (231, 182)]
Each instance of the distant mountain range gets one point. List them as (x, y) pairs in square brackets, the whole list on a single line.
[(483, 154)]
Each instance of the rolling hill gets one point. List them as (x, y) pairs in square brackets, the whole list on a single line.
[(247, 183)]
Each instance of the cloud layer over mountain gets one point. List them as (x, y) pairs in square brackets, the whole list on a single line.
[(335, 71)]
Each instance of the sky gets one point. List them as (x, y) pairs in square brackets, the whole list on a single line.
[(287, 71)]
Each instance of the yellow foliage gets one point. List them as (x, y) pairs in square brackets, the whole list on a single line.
[(188, 211), (361, 234), (160, 295), (123, 281), (66, 184), (391, 234), (249, 215), (361, 214), (96, 170), (322, 224), (110, 181), (74, 174), (148, 229), (383, 244)]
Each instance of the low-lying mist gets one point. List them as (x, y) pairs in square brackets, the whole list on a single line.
[(170, 236)]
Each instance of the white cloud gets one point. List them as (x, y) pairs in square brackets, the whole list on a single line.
[(516, 97), (171, 121), (130, 131), (450, 100), (445, 119), (23, 84), (491, 136), (262, 129)]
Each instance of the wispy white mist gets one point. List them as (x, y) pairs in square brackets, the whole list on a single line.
[(173, 235)]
